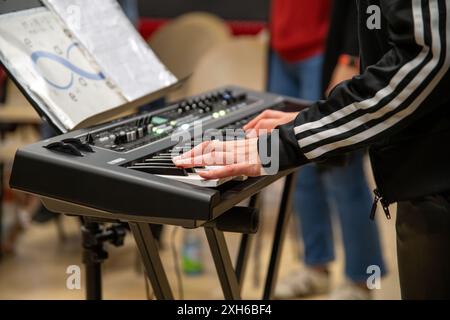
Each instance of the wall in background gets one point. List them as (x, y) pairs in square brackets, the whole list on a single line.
[(227, 9)]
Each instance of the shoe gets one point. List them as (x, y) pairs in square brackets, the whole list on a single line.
[(350, 291), (302, 283)]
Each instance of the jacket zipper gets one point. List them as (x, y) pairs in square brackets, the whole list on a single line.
[(384, 204)]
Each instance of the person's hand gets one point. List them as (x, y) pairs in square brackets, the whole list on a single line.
[(269, 120), (341, 73), (233, 158)]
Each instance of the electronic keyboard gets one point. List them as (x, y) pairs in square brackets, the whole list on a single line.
[(124, 167)]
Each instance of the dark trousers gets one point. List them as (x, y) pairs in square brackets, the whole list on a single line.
[(423, 247)]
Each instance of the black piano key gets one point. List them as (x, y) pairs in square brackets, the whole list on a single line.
[(159, 164), (152, 160), (168, 171)]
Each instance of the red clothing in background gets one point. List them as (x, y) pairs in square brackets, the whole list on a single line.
[(299, 27), (2, 85)]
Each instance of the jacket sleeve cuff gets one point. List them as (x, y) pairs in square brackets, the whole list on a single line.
[(289, 154)]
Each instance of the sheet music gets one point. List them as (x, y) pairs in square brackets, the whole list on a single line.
[(105, 31), (45, 58)]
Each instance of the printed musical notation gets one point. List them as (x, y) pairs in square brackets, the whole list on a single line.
[(39, 56), (127, 60), (51, 64)]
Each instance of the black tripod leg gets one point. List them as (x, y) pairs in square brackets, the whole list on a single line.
[(93, 255), (93, 281), (224, 266), (149, 250), (280, 230)]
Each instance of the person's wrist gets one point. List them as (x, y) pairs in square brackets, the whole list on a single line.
[(254, 158), (263, 144), (292, 116)]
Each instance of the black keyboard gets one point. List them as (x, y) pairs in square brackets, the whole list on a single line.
[(125, 167), (161, 163)]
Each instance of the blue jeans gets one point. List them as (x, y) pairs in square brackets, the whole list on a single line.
[(320, 192)]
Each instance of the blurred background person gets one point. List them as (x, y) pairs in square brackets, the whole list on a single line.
[(299, 67)]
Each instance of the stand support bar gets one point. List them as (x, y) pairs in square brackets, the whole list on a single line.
[(280, 230), (149, 250)]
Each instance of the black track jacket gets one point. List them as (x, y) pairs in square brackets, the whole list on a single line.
[(399, 107)]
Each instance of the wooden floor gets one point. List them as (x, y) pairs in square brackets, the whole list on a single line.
[(38, 269)]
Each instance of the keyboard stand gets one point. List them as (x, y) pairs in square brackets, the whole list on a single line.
[(149, 251), (284, 213), (94, 235), (231, 278)]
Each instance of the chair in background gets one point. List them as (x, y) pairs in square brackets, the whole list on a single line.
[(241, 61), (183, 42)]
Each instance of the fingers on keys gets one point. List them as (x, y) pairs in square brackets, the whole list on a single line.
[(264, 115), (212, 153)]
